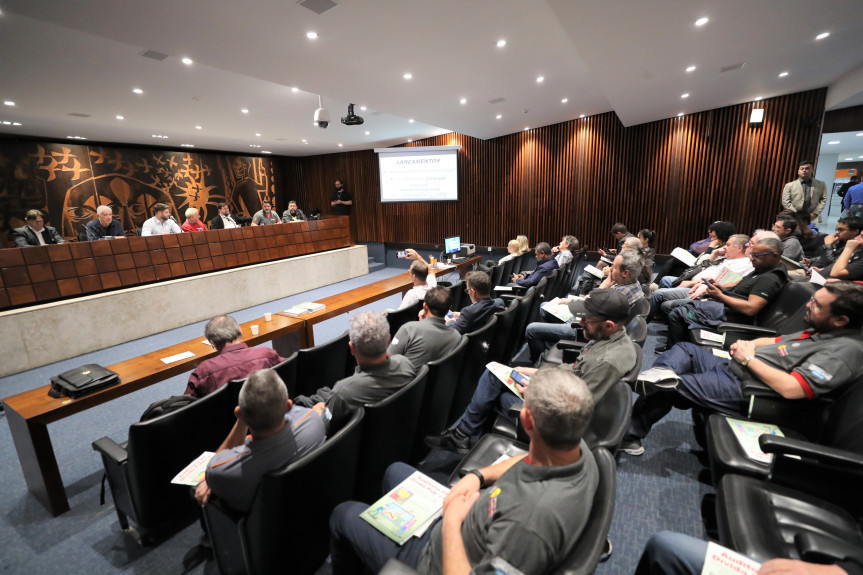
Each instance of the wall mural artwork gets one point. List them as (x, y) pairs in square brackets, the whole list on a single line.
[(68, 182)]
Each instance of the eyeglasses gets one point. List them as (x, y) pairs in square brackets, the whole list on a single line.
[(591, 318), (762, 254), (814, 303)]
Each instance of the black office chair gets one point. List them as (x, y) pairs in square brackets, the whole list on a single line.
[(398, 318), (516, 336), (506, 274), (322, 365), (496, 273), (287, 370), (389, 435), (139, 473), (477, 355), (458, 296), (502, 332), (291, 510)]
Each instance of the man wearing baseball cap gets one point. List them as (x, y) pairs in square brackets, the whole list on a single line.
[(607, 357)]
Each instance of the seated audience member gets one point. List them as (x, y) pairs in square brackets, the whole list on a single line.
[(810, 241), (849, 263), (786, 229), (739, 304), (225, 220), (853, 197), (414, 255), (482, 307), (377, 375), (193, 222), (522, 515), (545, 266), (293, 213), (668, 553), (512, 252), (620, 234), (731, 258), (563, 251), (104, 226), (161, 222), (270, 433), (266, 216), (587, 282), (648, 252), (607, 357), (847, 229), (36, 233), (235, 360), (429, 338), (541, 335), (718, 233), (419, 273), (523, 244), (807, 364)]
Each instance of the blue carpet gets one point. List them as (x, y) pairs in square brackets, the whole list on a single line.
[(658, 490)]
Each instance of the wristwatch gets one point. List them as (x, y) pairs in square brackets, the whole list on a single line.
[(746, 360), (479, 476)]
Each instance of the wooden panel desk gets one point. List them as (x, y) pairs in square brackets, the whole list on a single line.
[(29, 413)]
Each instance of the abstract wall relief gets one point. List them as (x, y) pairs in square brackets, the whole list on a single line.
[(68, 182)]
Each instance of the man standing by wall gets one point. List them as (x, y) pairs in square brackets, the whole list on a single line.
[(805, 193), (341, 201)]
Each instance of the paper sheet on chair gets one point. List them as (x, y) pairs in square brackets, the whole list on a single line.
[(194, 473), (720, 560), (748, 432)]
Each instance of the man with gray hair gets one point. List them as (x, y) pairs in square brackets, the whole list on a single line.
[(104, 226), (280, 434), (235, 360), (377, 375), (563, 251), (419, 273), (525, 513)]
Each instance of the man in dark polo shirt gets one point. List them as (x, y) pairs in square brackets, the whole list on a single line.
[(815, 362), (236, 360)]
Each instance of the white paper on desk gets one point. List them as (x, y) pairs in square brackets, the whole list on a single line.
[(177, 357), (502, 288), (817, 278), (720, 560), (207, 342), (193, 473)]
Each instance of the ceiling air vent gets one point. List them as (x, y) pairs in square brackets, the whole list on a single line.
[(153, 55), (318, 6), (79, 115), (737, 66), (497, 101)]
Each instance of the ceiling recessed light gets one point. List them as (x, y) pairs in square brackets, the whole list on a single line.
[(257, 135), (340, 145), (6, 123), (540, 79), (266, 152), (833, 143), (822, 35), (311, 35), (526, 128), (758, 98), (463, 101), (363, 108), (581, 116), (564, 100), (160, 136), (411, 121), (16, 123), (690, 69), (187, 145), (245, 110), (410, 140), (258, 146), (849, 159), (860, 134), (304, 141), (498, 117), (76, 137), (783, 74), (120, 117), (501, 43), (680, 115), (137, 91), (187, 61), (199, 127), (8, 103), (295, 89), (367, 133), (702, 21), (686, 95), (407, 76)]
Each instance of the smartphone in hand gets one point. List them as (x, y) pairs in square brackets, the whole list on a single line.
[(520, 378), (402, 254)]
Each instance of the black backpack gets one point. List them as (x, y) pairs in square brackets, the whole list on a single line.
[(168, 405)]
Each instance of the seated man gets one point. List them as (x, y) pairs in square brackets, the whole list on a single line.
[(847, 229), (193, 222), (161, 222), (808, 364), (482, 307), (739, 304), (732, 258), (225, 220), (235, 360), (620, 234), (563, 251), (607, 357), (293, 213), (35, 233), (668, 553), (849, 263), (377, 375), (717, 234), (786, 228), (623, 278), (270, 433), (414, 255), (266, 216), (429, 338), (545, 266), (522, 515), (419, 273), (104, 226)]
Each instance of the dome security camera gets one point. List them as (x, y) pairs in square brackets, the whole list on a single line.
[(322, 115)]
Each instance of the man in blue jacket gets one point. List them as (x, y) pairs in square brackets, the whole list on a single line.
[(545, 266)]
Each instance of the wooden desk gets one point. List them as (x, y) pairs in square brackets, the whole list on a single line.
[(30, 412)]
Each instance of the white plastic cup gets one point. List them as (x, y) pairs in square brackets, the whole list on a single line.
[(255, 329), (268, 316)]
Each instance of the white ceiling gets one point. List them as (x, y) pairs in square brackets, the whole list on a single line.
[(629, 56), (850, 145)]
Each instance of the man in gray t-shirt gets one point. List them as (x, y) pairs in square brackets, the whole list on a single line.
[(429, 338), (280, 434)]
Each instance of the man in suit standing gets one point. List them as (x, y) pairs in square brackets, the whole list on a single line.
[(36, 233), (805, 194)]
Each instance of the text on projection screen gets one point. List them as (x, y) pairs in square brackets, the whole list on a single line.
[(419, 175)]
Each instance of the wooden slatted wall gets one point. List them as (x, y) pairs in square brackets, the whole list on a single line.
[(675, 176)]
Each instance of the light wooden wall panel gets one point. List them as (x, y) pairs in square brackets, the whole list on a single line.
[(579, 177)]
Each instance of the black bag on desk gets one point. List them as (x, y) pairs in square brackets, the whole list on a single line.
[(82, 380)]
